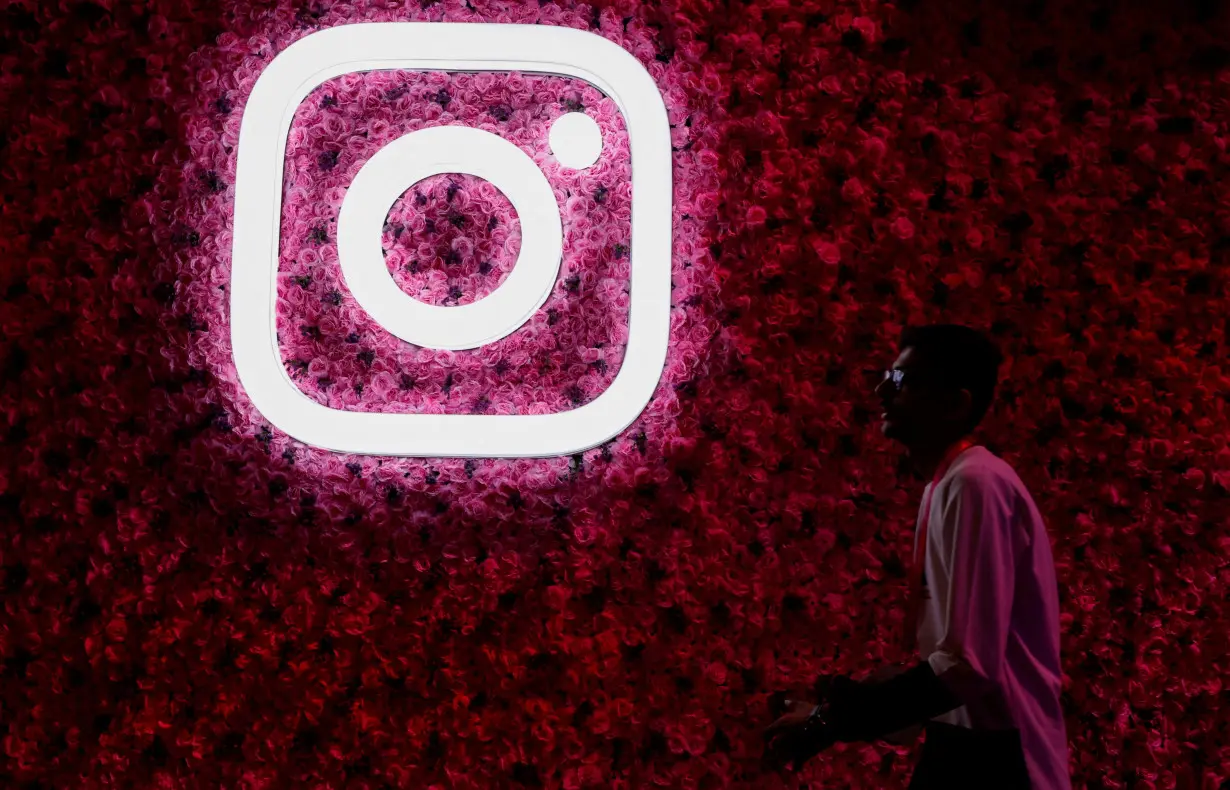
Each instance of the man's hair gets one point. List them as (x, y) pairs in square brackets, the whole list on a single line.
[(958, 358)]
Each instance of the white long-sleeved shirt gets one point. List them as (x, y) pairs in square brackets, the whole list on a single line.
[(990, 624)]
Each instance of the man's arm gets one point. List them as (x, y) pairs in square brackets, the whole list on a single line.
[(977, 553), (869, 711)]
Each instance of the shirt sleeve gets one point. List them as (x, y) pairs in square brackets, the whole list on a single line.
[(975, 548)]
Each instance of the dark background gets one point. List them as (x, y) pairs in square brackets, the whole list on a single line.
[(182, 607)]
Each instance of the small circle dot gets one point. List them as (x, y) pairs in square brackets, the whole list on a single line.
[(576, 140)]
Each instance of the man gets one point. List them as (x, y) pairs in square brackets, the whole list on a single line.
[(985, 617)]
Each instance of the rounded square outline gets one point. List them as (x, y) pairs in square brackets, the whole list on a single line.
[(466, 47)]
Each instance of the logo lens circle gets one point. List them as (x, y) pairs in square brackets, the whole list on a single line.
[(410, 159)]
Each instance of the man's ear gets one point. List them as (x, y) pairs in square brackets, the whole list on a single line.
[(960, 405)]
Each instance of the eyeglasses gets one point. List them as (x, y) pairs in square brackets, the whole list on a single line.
[(898, 378)]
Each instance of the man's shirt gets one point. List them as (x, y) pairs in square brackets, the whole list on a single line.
[(990, 624)]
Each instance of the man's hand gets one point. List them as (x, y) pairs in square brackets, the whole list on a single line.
[(794, 737), (796, 715)]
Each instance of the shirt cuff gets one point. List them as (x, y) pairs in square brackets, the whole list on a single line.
[(959, 676)]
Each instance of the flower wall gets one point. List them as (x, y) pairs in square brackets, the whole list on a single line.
[(193, 599)]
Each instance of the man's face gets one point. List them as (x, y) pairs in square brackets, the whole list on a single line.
[(914, 411)]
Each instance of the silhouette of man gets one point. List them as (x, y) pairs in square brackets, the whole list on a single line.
[(984, 615)]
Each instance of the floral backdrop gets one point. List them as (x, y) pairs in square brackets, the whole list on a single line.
[(193, 599)]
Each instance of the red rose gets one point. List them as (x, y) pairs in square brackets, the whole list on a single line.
[(829, 253), (902, 228)]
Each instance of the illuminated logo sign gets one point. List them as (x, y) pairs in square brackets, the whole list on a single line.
[(575, 141)]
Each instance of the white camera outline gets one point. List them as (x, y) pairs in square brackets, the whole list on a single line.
[(451, 47)]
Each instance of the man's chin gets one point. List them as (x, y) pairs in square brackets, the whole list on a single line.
[(890, 429)]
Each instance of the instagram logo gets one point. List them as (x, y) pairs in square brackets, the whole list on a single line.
[(575, 141)]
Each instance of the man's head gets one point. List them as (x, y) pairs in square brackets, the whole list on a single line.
[(945, 384)]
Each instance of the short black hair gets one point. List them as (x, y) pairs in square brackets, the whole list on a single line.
[(959, 358)]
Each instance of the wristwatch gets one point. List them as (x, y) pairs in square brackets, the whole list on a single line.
[(815, 736)]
